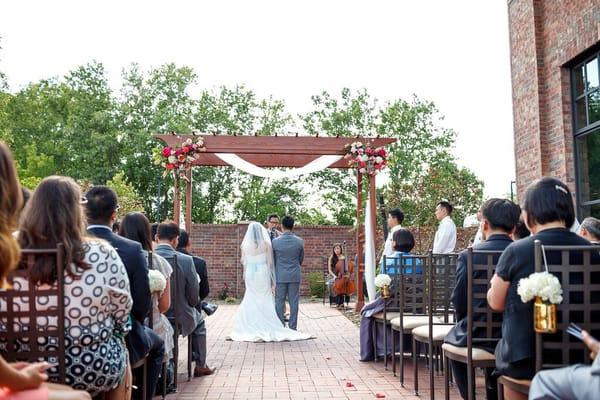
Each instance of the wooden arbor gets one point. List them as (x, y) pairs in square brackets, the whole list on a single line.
[(279, 151)]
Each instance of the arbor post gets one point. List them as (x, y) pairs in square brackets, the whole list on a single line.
[(360, 266)]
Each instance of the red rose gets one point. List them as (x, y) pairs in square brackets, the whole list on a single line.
[(185, 149), (166, 152), (181, 158), (170, 166)]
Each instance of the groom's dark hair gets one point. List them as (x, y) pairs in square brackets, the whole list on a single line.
[(288, 222)]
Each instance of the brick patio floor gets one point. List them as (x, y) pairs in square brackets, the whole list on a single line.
[(314, 369)]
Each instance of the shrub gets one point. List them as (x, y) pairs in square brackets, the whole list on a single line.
[(316, 284)]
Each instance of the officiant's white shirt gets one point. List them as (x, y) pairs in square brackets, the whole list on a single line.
[(445, 237), (388, 249)]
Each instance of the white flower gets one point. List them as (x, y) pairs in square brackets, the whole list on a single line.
[(364, 157), (540, 284), (378, 160), (172, 159), (382, 280), (362, 170), (158, 282)]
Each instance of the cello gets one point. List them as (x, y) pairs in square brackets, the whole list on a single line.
[(344, 284)]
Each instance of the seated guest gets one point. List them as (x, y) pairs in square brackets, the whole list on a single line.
[(577, 382), (187, 296), (498, 220), (141, 341), (20, 380), (184, 246), (96, 286), (403, 242), (548, 212), (520, 231), (135, 226), (590, 229)]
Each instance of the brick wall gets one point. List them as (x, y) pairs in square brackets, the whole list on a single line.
[(544, 36), (219, 245)]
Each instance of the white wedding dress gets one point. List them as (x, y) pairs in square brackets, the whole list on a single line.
[(256, 319)]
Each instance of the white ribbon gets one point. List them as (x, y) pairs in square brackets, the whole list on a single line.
[(315, 165)]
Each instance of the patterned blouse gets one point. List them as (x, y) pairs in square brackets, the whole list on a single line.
[(97, 305)]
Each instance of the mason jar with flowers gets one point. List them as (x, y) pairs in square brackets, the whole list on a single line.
[(546, 290), (383, 281)]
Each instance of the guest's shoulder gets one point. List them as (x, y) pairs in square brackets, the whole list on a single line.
[(125, 242), (99, 250)]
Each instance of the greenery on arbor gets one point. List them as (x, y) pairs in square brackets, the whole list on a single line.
[(79, 126)]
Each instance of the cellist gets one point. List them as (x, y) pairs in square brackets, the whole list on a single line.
[(336, 255), (343, 286)]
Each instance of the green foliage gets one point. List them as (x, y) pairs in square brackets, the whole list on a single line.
[(316, 284), (77, 126), (129, 200)]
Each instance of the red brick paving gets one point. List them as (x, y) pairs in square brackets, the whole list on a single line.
[(314, 369)]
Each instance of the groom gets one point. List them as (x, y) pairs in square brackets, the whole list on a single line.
[(288, 254)]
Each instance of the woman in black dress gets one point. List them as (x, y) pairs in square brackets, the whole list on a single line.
[(548, 212)]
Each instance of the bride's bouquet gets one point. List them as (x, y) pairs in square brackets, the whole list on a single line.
[(158, 282)]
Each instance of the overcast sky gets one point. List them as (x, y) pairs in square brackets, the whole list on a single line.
[(455, 53)]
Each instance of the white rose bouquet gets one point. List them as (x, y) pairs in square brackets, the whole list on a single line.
[(158, 282), (382, 280), (540, 284)]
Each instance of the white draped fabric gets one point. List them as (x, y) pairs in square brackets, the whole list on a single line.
[(316, 165), (370, 255)]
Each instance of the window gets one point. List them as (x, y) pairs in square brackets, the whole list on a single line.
[(585, 87)]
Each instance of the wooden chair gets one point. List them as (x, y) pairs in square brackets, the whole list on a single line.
[(578, 269), (174, 290), (480, 269), (390, 311), (441, 279), (410, 292), (24, 338)]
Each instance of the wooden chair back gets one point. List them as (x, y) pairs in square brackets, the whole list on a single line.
[(441, 282), (578, 270), (38, 332), (481, 266)]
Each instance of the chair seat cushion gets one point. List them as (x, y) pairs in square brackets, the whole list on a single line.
[(439, 331), (390, 315), (410, 322), (478, 354), (517, 384)]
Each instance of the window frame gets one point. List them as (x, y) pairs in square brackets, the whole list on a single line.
[(581, 132)]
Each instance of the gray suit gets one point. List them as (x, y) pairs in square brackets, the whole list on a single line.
[(288, 254), (186, 297), (581, 382)]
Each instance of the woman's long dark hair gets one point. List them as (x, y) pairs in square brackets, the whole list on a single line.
[(135, 226), (54, 215), (334, 258), (11, 201)]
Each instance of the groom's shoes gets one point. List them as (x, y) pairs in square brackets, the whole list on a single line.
[(203, 371)]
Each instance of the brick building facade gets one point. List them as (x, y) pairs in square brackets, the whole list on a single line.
[(556, 95), (219, 245)]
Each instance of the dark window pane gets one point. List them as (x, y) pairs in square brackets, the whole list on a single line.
[(579, 80), (590, 211), (593, 107), (580, 116), (591, 74), (588, 162)]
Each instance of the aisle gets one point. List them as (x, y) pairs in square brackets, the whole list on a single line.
[(313, 369)]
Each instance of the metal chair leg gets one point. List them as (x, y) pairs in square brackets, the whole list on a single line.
[(145, 380), (415, 366), (393, 351), (190, 356), (446, 379), (385, 357)]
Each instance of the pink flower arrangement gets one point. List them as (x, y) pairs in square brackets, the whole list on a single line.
[(366, 159), (178, 159)]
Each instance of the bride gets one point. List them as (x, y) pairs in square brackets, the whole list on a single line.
[(256, 319)]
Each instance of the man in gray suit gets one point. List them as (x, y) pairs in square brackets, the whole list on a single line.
[(185, 296), (580, 382), (288, 254)]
